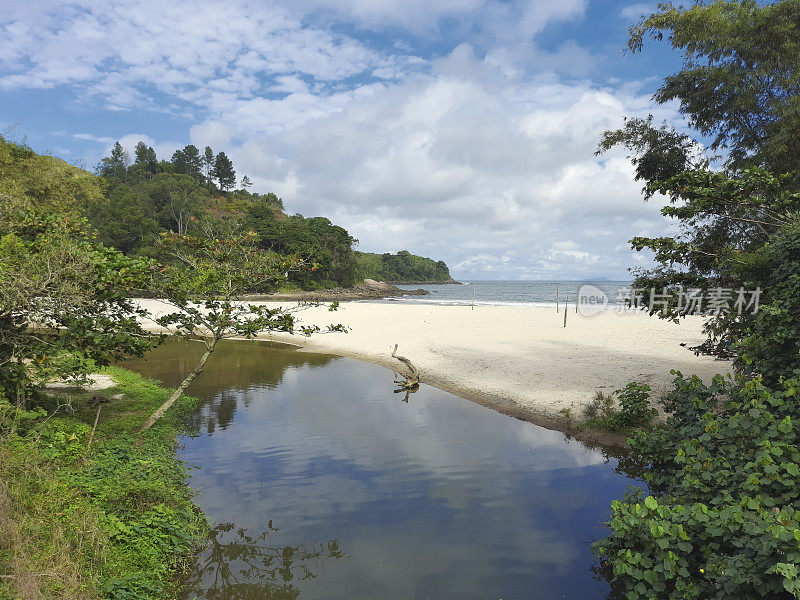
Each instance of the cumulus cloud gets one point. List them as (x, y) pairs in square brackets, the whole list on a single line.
[(481, 155), (487, 171)]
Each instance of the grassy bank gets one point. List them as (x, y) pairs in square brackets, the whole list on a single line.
[(112, 521)]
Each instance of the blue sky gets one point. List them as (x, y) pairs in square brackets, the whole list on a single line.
[(458, 129)]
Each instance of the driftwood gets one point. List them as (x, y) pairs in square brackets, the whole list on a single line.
[(409, 380), (97, 401), (94, 427)]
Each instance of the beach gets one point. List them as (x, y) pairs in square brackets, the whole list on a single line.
[(519, 360)]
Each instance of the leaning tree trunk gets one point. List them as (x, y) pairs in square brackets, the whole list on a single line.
[(182, 388)]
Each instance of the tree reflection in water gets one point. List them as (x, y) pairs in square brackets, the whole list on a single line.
[(239, 565)]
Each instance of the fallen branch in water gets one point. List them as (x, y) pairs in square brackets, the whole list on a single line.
[(412, 378)]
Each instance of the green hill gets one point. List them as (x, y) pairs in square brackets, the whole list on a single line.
[(402, 267), (130, 202)]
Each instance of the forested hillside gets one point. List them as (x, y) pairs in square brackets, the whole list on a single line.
[(402, 267), (197, 192)]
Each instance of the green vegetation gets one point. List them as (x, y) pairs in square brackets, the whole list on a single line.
[(114, 520), (739, 85), (634, 409), (56, 277), (203, 282), (721, 518), (402, 267), (724, 477), (330, 246), (194, 193)]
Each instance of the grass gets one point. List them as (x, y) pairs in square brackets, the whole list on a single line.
[(112, 521)]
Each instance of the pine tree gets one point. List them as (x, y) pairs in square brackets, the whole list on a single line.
[(146, 156), (116, 164), (152, 160), (208, 162), (246, 183), (188, 162), (194, 162), (140, 154), (223, 172)]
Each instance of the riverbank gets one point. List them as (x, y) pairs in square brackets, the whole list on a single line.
[(114, 520), (520, 361)]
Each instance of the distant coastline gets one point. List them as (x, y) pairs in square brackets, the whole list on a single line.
[(425, 282)]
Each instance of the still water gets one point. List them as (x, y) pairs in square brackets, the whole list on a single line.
[(323, 483)]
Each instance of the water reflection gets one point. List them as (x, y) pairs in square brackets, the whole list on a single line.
[(438, 497), (240, 565), (234, 368)]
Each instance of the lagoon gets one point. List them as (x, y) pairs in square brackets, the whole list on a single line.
[(320, 482)]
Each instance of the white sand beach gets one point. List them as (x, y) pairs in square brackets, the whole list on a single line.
[(521, 361)]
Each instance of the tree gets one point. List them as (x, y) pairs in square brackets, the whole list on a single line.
[(188, 162), (723, 472), (177, 199), (246, 183), (739, 84), (223, 172), (146, 158), (63, 304), (203, 282), (208, 163), (114, 166), (125, 219), (316, 238)]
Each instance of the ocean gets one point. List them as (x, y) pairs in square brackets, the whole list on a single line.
[(509, 293)]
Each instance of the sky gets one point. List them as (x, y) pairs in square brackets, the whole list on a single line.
[(463, 130)]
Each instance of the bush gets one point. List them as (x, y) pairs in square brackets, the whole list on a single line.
[(722, 521), (634, 409)]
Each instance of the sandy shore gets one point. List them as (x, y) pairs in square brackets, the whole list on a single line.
[(521, 361)]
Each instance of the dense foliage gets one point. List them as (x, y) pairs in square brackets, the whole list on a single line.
[(738, 85), (194, 192), (315, 238), (63, 298), (402, 267), (721, 518)]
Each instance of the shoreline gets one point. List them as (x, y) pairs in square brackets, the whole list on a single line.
[(518, 361), (368, 290)]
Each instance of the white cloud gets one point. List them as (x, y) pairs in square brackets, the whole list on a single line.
[(482, 156), (487, 171), (634, 12), (117, 51)]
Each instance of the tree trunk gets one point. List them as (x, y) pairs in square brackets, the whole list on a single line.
[(182, 388)]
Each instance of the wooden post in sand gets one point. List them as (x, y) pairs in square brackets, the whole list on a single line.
[(577, 298), (473, 295), (556, 298), (566, 306)]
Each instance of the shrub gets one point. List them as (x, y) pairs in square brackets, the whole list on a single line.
[(602, 406), (724, 474), (634, 409)]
